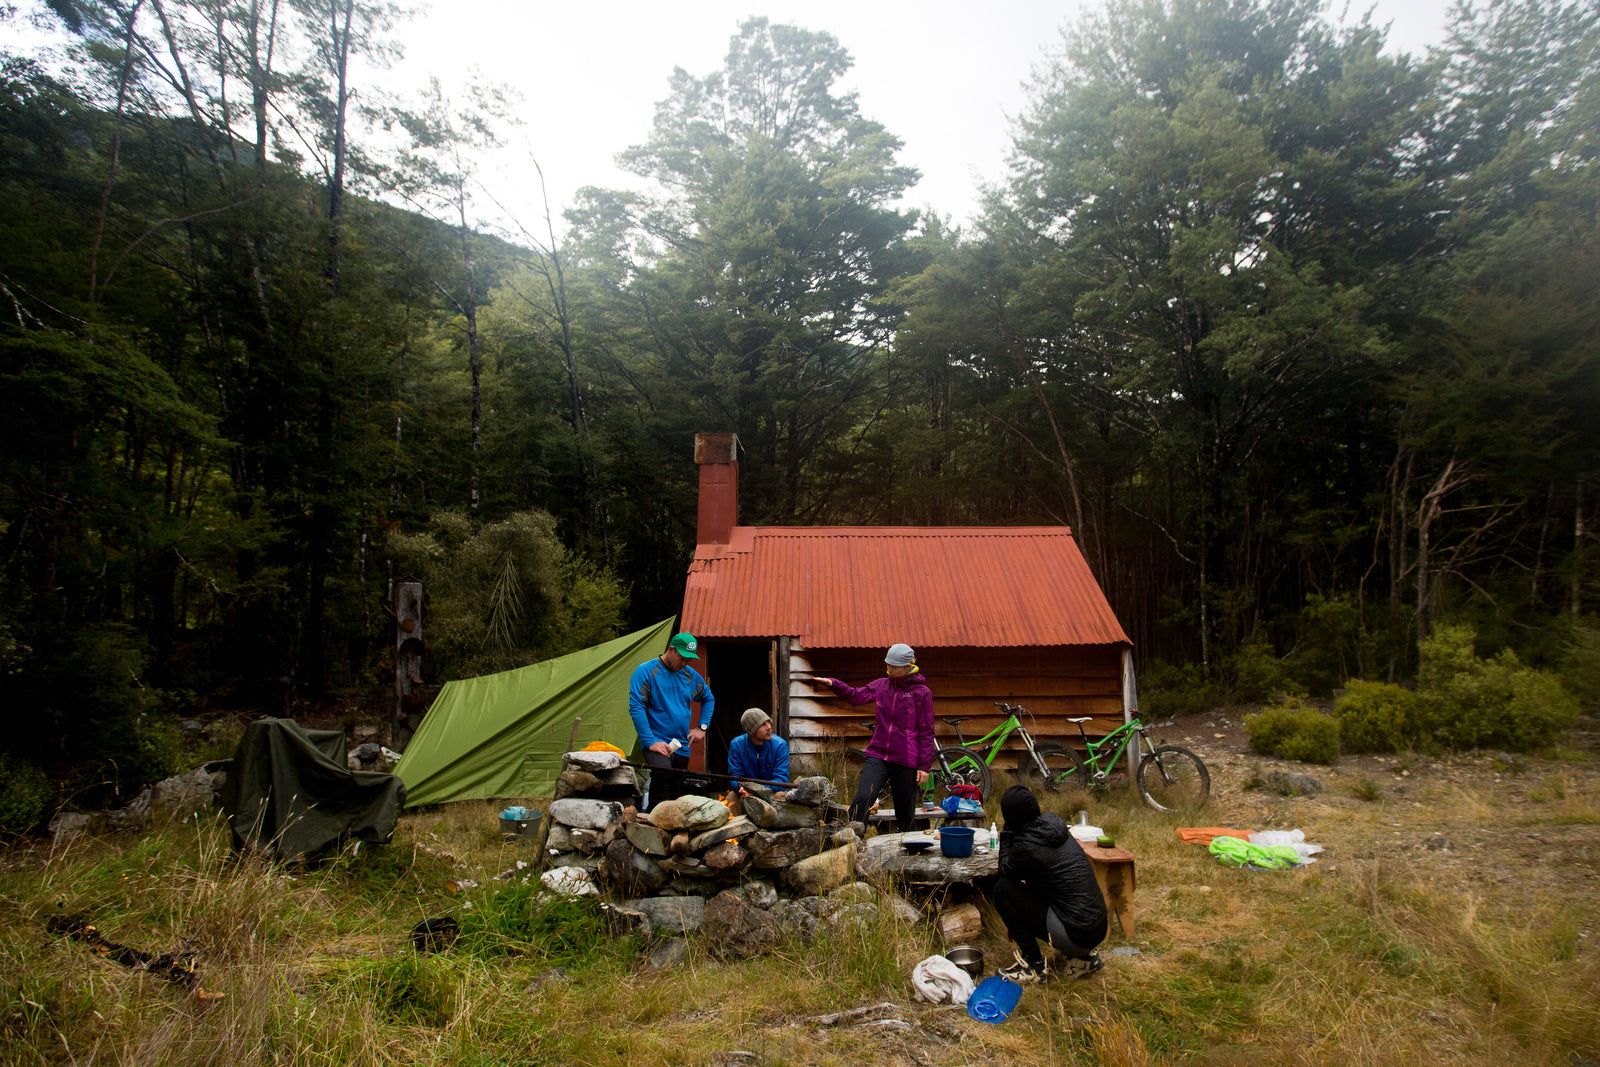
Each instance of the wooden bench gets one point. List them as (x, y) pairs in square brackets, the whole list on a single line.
[(924, 818), (1114, 870)]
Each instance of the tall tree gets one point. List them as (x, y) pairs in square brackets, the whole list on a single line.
[(1498, 447), (1222, 194), (339, 32), (765, 260), (436, 174)]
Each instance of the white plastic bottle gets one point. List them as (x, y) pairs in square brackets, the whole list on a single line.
[(994, 836)]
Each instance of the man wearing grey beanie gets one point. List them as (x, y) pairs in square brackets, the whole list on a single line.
[(758, 753)]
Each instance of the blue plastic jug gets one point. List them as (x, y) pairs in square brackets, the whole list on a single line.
[(993, 1000)]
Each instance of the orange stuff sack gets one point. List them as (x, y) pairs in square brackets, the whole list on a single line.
[(603, 746), (1202, 835)]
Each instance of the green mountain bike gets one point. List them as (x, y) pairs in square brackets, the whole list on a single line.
[(1168, 777)]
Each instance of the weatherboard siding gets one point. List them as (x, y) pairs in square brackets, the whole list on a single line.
[(1055, 684)]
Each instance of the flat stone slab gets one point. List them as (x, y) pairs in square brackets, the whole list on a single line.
[(586, 814), (594, 762), (671, 915), (882, 859), (739, 827)]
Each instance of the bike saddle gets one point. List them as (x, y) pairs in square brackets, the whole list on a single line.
[(1084, 718), (957, 722)]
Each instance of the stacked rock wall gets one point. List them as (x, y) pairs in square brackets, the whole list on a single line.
[(783, 865), (797, 839)]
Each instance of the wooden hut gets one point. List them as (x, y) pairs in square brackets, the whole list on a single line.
[(995, 613)]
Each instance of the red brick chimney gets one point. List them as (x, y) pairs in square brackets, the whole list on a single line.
[(718, 457)]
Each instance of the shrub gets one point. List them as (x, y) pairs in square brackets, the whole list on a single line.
[(96, 721), (507, 593), (1539, 710), (25, 796), (1292, 730), (1380, 717), (1580, 667), (1446, 655), (1259, 676), (1166, 690), (1471, 702), (139, 752)]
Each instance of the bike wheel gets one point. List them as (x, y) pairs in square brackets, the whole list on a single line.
[(1064, 769), (954, 765), (1173, 779)]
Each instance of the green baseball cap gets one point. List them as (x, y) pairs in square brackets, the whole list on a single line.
[(685, 644)]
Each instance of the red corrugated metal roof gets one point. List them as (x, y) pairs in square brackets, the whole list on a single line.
[(870, 586)]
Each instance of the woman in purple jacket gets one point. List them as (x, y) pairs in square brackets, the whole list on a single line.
[(902, 746)]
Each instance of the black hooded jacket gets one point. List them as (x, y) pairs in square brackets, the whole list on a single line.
[(1043, 857)]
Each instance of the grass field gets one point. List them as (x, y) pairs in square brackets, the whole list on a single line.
[(1452, 920)]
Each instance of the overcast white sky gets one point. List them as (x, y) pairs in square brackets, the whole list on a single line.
[(945, 76)]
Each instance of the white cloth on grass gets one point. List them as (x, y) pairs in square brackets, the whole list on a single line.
[(937, 980)]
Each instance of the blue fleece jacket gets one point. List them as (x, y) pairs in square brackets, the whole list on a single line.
[(766, 763), (658, 701)]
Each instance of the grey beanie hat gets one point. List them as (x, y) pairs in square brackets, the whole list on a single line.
[(900, 656), (753, 719)]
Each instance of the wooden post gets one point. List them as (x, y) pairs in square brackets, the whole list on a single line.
[(1130, 704), (780, 689), (410, 702)]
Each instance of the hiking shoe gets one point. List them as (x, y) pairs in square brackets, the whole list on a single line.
[(1084, 966), (1024, 972)]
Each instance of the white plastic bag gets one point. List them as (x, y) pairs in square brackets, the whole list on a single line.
[(1295, 839), (937, 979), (570, 882)]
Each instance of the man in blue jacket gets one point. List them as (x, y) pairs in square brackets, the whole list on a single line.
[(659, 695), (758, 753)]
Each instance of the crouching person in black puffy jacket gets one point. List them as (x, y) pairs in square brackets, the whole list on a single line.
[(1047, 890)]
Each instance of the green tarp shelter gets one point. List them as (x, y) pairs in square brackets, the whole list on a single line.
[(502, 735), (289, 792)]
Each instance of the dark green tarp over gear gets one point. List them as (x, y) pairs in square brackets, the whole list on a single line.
[(503, 735), (289, 792)]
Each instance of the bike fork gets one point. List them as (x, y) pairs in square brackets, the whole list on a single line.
[(1038, 761)]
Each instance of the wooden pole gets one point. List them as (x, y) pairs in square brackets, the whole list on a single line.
[(713, 774)]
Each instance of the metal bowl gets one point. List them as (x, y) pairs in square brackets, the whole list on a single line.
[(968, 957), (917, 847)]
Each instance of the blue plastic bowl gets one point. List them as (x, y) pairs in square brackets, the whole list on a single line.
[(955, 841)]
